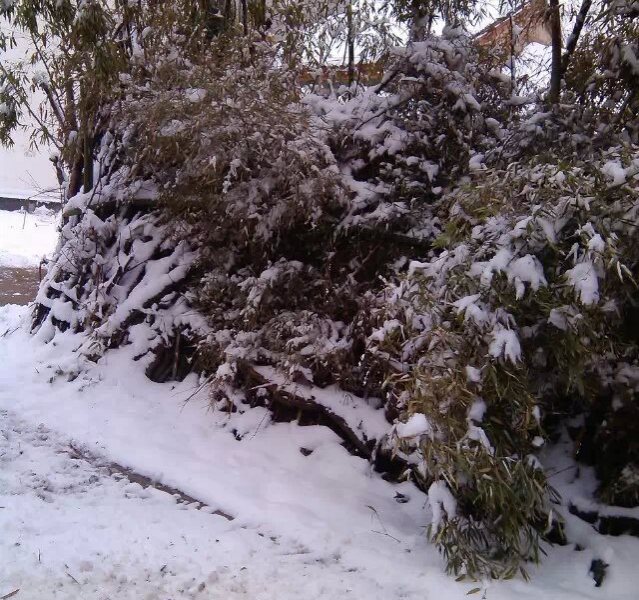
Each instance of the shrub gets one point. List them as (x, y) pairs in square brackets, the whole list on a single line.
[(518, 319)]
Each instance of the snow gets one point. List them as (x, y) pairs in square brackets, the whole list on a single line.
[(615, 171), (315, 506), (630, 58), (441, 503), (526, 269), (316, 526), (583, 278), (597, 244), (505, 342), (557, 317), (477, 410), (471, 311), (25, 238), (417, 425), (519, 271), (476, 162), (195, 95), (157, 276), (477, 434), (473, 374)]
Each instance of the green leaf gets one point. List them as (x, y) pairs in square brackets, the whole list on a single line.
[(473, 591)]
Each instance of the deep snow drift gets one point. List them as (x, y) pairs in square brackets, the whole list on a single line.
[(316, 526)]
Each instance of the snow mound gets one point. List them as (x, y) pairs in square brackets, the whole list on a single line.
[(316, 524)]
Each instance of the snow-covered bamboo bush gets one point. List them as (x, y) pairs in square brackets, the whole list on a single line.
[(439, 271), (402, 143), (520, 319)]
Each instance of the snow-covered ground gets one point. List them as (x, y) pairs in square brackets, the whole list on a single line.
[(316, 526), (26, 237)]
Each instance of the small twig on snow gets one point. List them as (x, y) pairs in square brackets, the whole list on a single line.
[(71, 576), (384, 532)]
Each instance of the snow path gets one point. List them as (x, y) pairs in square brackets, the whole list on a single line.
[(71, 530), (320, 526)]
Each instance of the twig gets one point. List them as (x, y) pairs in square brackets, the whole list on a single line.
[(9, 595), (266, 413), (384, 532), (199, 389), (25, 104), (562, 471), (71, 576), (176, 355), (571, 45), (387, 535)]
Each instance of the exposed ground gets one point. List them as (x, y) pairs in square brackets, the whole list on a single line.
[(18, 285), (25, 239)]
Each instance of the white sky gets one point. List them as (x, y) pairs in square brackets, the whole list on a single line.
[(20, 168)]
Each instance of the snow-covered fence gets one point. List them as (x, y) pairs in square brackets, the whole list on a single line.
[(10, 200)]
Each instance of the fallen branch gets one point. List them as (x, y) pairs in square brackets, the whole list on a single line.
[(252, 379)]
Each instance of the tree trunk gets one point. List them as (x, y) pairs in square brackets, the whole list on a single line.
[(574, 36), (555, 34), (87, 141), (245, 16), (75, 178), (513, 74)]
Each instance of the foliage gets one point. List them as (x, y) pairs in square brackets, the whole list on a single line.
[(603, 74), (402, 144), (521, 316)]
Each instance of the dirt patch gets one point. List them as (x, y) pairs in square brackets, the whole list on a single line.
[(18, 286)]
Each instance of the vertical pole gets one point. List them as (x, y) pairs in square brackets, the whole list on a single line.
[(351, 44), (88, 155), (513, 74)]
